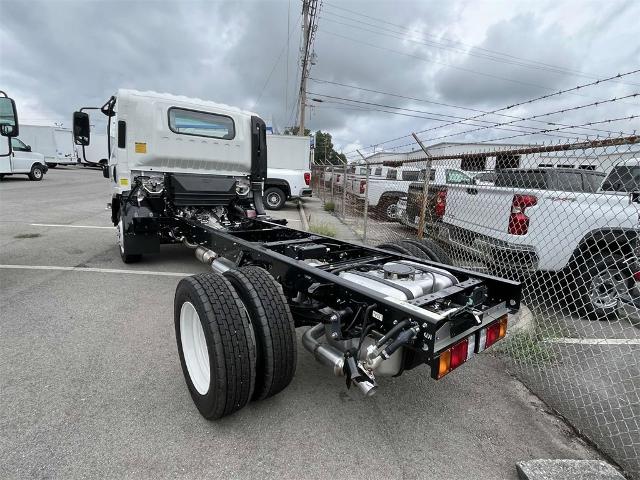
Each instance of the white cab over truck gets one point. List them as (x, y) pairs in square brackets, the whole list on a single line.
[(55, 143), (191, 172), (288, 173)]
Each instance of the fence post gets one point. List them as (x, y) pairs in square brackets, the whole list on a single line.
[(366, 204), (333, 179), (425, 188), (344, 193)]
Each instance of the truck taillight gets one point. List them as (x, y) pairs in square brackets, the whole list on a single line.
[(454, 356), (337, 178), (518, 220), (441, 202), (307, 178), (363, 185)]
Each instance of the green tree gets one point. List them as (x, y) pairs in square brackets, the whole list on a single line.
[(324, 152)]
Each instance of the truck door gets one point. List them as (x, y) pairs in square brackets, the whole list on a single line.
[(22, 158)]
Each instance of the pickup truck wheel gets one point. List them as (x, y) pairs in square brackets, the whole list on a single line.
[(273, 327), (124, 255), (215, 344), (36, 173), (599, 284), (387, 209), (274, 198)]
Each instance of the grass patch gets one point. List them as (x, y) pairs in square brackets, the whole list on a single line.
[(329, 207), (322, 229), (527, 347)]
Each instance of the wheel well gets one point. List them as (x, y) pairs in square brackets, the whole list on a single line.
[(619, 243), (281, 184), (115, 210)]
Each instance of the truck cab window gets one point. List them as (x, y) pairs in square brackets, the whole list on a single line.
[(455, 176), (18, 145), (202, 124), (392, 174)]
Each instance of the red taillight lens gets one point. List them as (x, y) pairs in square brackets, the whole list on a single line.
[(518, 220), (337, 178), (495, 332), (441, 203), (636, 276), (307, 178), (363, 185), (459, 353)]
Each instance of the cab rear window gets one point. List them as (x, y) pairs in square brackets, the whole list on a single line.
[(201, 124)]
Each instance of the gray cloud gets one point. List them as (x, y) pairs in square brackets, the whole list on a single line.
[(58, 55)]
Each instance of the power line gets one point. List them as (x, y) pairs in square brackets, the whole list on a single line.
[(397, 35), (422, 100), (438, 40), (274, 67), (517, 104)]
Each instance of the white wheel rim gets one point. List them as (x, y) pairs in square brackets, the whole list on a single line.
[(194, 348), (273, 199), (37, 173), (120, 235)]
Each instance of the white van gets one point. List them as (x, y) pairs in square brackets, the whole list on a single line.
[(55, 143), (21, 160)]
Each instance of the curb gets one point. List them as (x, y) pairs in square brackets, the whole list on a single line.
[(566, 470), (303, 216), (521, 322)]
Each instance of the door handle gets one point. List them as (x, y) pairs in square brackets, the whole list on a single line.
[(472, 191)]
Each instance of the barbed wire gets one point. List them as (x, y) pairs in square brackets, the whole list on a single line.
[(508, 107)]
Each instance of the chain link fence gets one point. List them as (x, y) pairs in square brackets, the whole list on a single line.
[(562, 219)]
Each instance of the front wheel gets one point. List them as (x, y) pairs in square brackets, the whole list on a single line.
[(274, 198), (36, 173), (599, 286), (215, 344), (124, 254), (387, 209)]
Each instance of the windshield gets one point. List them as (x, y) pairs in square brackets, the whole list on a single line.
[(623, 179)]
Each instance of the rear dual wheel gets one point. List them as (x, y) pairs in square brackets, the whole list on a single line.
[(236, 339)]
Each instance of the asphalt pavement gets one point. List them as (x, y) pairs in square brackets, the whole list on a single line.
[(91, 385)]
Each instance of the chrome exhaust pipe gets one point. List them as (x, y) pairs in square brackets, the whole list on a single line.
[(325, 354), (211, 258)]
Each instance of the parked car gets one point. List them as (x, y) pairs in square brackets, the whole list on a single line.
[(554, 221), (22, 160)]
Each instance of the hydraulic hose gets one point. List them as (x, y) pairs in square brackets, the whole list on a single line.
[(391, 333)]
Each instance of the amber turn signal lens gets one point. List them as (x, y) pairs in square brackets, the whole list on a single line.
[(445, 363)]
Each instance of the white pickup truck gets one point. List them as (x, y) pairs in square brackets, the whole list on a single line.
[(288, 174), (525, 223), (387, 185)]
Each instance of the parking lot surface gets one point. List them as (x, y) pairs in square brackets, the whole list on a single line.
[(91, 385)]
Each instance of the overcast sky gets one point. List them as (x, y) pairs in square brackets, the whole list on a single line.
[(56, 56)]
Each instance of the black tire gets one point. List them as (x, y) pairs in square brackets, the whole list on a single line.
[(273, 327), (415, 250), (230, 347), (397, 248), (384, 210), (435, 252), (37, 172), (592, 292), (52, 165), (124, 255), (274, 198)]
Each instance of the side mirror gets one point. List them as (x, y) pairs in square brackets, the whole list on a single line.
[(28, 148), (81, 128), (105, 171), (8, 118)]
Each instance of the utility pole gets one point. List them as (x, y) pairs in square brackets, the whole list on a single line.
[(303, 79), (309, 24)]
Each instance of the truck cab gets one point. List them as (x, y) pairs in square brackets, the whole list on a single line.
[(175, 156)]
